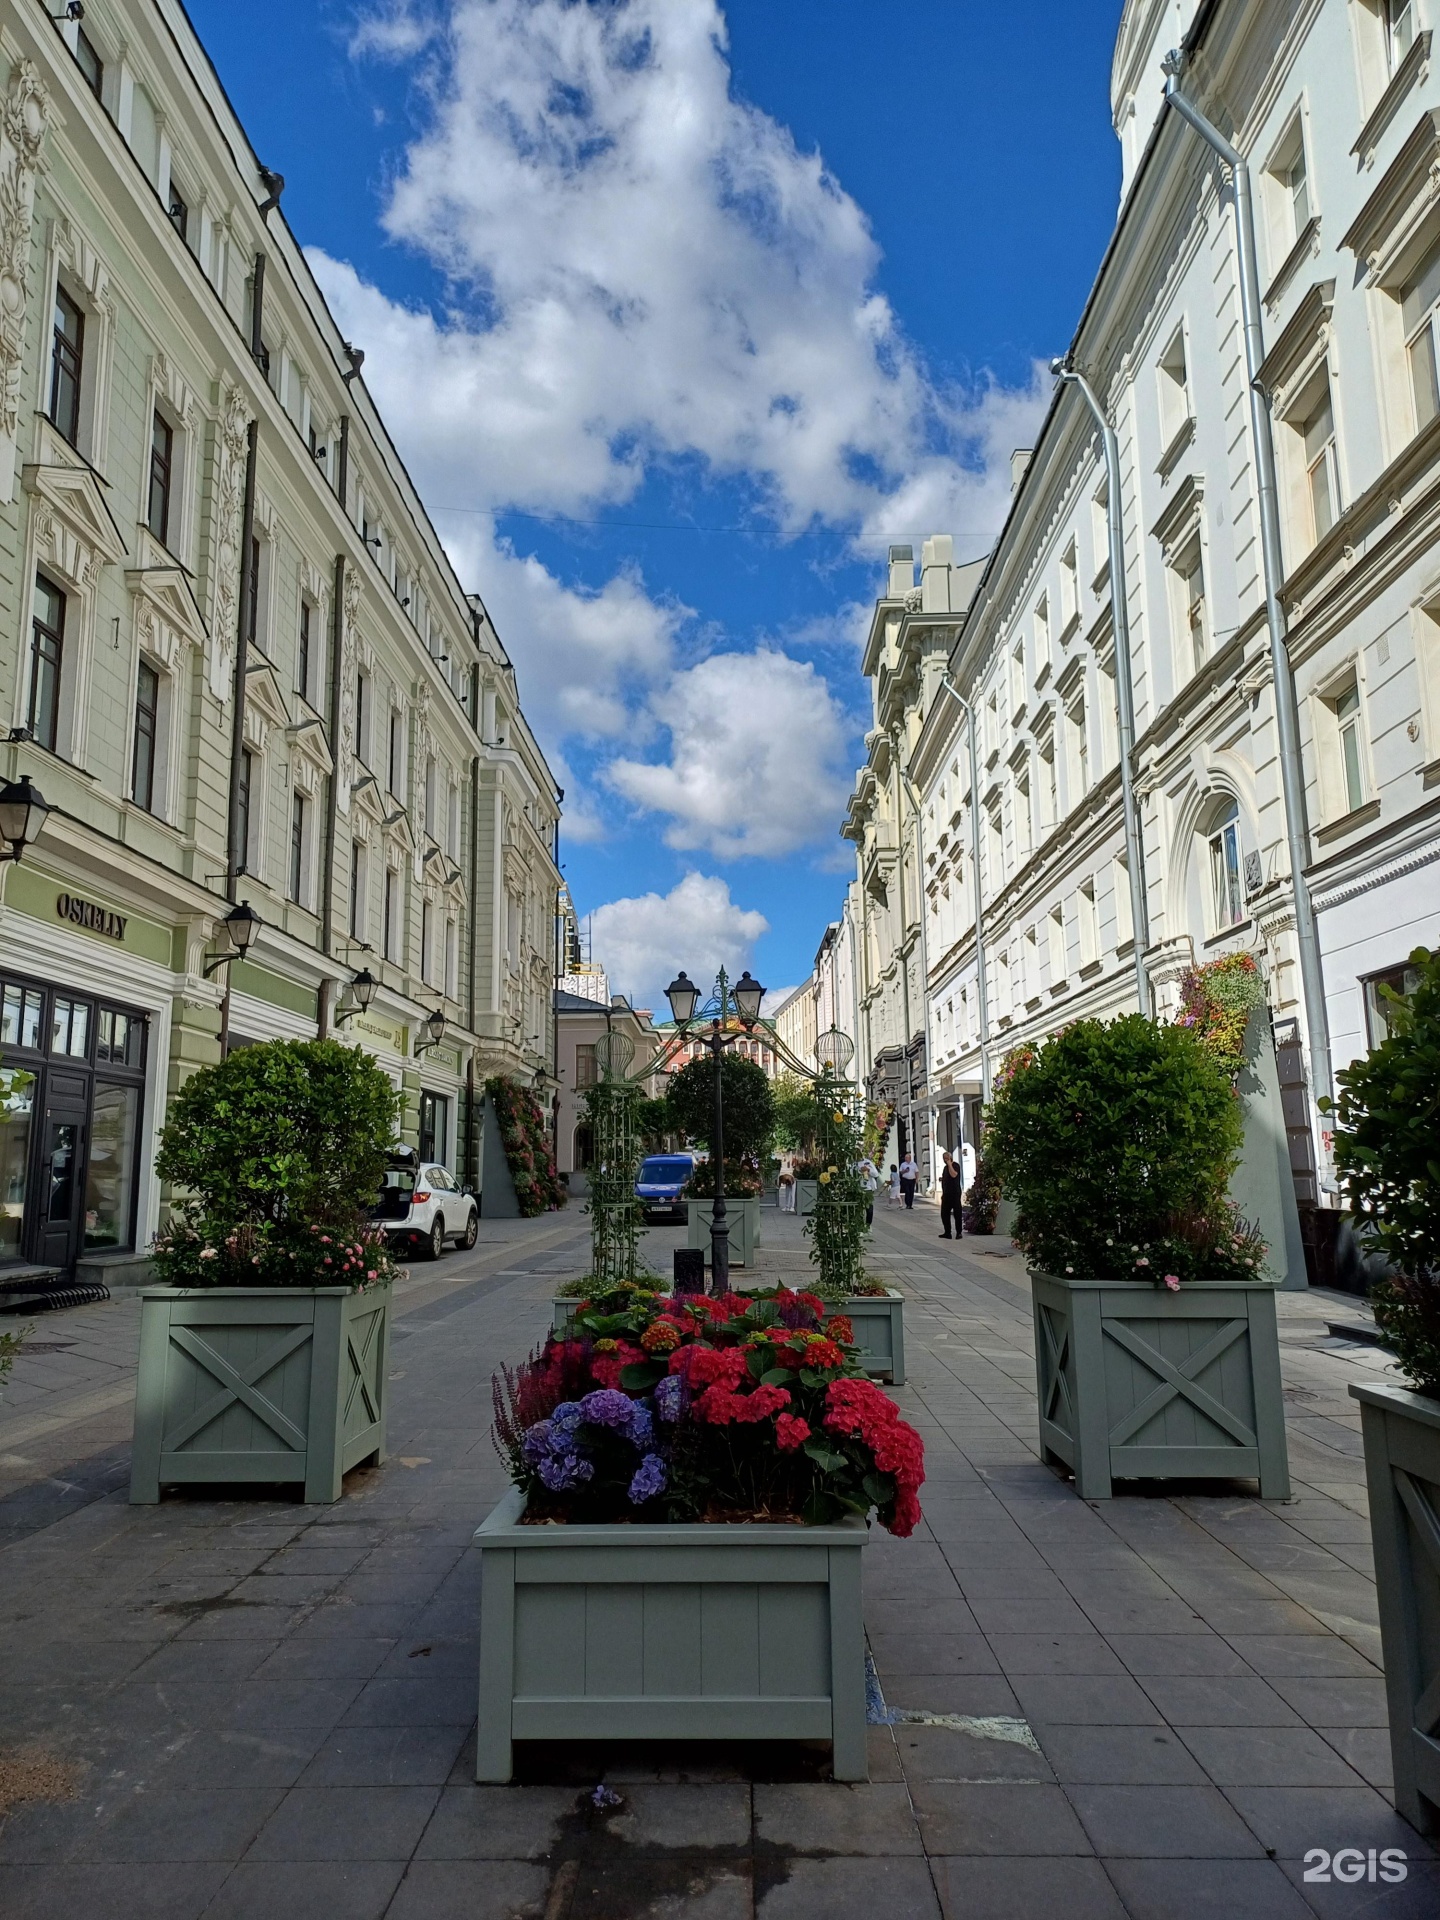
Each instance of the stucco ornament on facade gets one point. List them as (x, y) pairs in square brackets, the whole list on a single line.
[(23, 127), (230, 495)]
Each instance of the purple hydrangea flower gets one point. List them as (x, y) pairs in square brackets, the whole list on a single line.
[(642, 1427), (607, 1407), (536, 1444), (566, 1417), (668, 1395), (649, 1479), (564, 1471)]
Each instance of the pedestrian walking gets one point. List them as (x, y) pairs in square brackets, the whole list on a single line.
[(894, 1195), (870, 1180), (785, 1181), (909, 1174), (951, 1188)]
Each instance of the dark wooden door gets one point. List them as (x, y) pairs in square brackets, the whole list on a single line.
[(61, 1170)]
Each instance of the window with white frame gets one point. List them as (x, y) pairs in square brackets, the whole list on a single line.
[(1055, 945), (395, 757), (1049, 783), (1088, 918), (1069, 587), (362, 716), (1227, 893), (1426, 620), (1030, 964), (1017, 677), (1120, 891), (147, 750), (1100, 531), (1315, 429), (452, 959), (427, 942), (1287, 192), (452, 821), (306, 650), (1398, 20), (47, 663), (392, 913), (1187, 572), (1173, 386), (301, 822), (1340, 741), (67, 366), (1004, 986), (358, 915), (1419, 308), (1024, 815), (995, 845), (1042, 634), (431, 778), (1077, 744)]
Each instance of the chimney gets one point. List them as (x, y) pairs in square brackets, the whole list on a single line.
[(902, 572), (1019, 461), (936, 558)]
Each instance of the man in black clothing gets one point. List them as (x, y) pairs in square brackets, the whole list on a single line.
[(951, 1183)]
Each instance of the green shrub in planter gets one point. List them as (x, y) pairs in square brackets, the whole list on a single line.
[(1116, 1143), (1387, 1151), (277, 1152)]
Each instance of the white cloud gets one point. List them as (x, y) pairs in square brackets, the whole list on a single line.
[(757, 757), (645, 269), (393, 30), (642, 941)]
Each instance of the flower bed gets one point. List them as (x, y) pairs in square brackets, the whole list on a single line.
[(690, 1409)]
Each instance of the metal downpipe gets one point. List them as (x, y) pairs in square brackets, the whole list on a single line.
[(1124, 689)]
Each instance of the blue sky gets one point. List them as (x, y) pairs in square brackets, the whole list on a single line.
[(679, 314)]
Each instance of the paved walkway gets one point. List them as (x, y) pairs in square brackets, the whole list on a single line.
[(262, 1709)]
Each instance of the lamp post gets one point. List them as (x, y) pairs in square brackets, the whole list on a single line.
[(23, 809), (747, 994), (360, 991), (434, 1024)]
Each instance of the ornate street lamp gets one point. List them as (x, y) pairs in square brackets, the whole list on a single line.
[(23, 811), (435, 1028), (242, 924), (359, 993), (747, 994)]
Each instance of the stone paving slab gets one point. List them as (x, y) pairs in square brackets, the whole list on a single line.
[(268, 1709)]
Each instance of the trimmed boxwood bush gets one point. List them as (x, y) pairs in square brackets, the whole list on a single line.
[(1387, 1152), (276, 1153), (1116, 1143)]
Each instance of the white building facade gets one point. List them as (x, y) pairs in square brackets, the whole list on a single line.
[(1336, 107), (238, 662)]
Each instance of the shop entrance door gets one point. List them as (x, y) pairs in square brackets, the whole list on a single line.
[(62, 1170)]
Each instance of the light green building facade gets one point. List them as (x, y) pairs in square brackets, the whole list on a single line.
[(381, 802)]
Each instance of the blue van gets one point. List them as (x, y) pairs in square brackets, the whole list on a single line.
[(662, 1180)]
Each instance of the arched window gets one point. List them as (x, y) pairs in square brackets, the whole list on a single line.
[(1226, 889)]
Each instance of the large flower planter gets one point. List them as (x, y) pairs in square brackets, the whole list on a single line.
[(240, 1385), (807, 1192), (1138, 1383), (879, 1324), (1402, 1469), (742, 1212), (690, 1632)]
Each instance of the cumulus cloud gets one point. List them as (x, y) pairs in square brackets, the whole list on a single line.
[(641, 941), (644, 269), (757, 757)]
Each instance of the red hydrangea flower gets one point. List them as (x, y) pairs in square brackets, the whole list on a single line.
[(861, 1410), (703, 1366), (791, 1432), (605, 1367), (839, 1328), (720, 1406)]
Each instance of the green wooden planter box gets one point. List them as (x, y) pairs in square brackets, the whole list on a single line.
[(807, 1192), (742, 1211), (1135, 1383), (879, 1333), (1402, 1469), (689, 1632), (241, 1385)]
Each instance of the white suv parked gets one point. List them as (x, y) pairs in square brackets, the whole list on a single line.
[(421, 1206)]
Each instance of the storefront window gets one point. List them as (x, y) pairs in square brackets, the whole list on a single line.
[(70, 1029), (17, 1099), (1383, 992), (110, 1181), (20, 1017), (118, 1038)]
